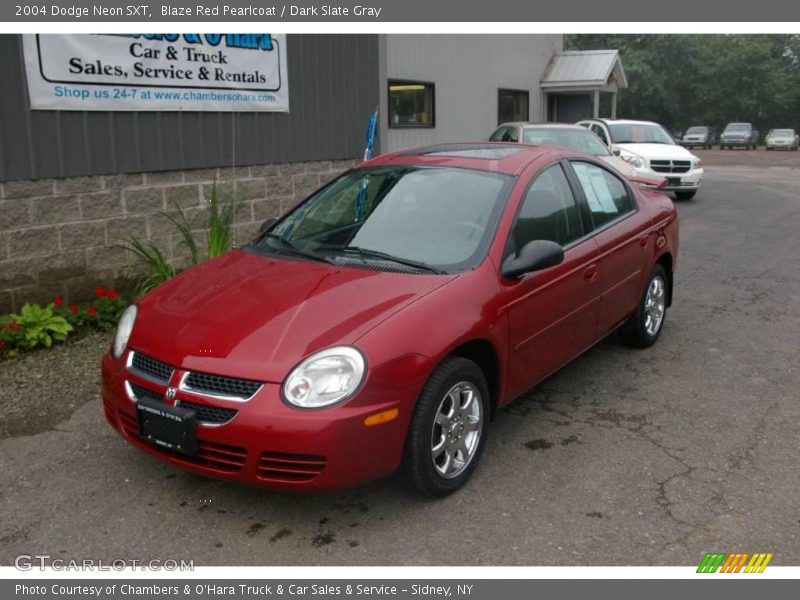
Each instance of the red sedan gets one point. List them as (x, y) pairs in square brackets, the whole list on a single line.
[(382, 322)]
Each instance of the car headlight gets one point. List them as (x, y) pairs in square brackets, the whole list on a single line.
[(697, 163), (124, 330), (633, 159), (325, 378)]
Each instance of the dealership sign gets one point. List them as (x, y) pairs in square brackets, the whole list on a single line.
[(202, 72)]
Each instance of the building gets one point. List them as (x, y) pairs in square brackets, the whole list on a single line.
[(87, 159)]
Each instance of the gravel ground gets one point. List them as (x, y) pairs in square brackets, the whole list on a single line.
[(33, 394)]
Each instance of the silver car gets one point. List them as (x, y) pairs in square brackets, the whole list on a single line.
[(785, 139), (568, 136)]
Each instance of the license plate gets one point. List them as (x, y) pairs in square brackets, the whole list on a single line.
[(169, 427), (672, 181)]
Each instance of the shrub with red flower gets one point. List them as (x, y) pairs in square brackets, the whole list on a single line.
[(100, 292), (92, 311), (58, 301), (73, 308)]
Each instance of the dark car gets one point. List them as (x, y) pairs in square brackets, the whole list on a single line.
[(699, 136), (743, 135), (383, 321)]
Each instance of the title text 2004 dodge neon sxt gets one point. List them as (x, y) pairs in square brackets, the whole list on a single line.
[(382, 321)]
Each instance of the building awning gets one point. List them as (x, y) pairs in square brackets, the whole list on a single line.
[(585, 70)]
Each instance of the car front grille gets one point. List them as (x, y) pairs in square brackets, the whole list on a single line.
[(670, 166), (142, 393), (212, 415), (217, 385), (293, 468), (218, 457), (150, 368)]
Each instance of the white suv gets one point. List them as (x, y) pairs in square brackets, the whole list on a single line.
[(652, 152)]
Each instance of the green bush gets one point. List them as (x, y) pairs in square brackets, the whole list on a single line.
[(157, 268), (42, 326)]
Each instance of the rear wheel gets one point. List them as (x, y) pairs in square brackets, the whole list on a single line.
[(645, 325), (448, 430)]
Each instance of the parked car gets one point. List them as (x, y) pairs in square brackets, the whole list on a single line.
[(652, 152), (569, 136), (382, 322), (785, 139), (739, 134), (699, 136)]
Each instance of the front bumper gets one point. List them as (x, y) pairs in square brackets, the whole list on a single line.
[(691, 180), (774, 144), (735, 142), (271, 444), (701, 143)]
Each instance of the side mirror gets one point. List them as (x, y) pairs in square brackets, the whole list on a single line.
[(267, 224), (616, 150), (534, 256)]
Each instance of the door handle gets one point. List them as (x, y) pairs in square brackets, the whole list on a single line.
[(590, 272)]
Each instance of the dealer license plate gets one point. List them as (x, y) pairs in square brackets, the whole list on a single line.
[(169, 427), (673, 181)]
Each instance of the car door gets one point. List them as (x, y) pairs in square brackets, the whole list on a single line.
[(621, 233), (498, 134), (552, 313)]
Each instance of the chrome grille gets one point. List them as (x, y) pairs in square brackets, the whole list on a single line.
[(670, 166), (213, 415), (217, 385), (142, 393), (150, 367), (209, 415)]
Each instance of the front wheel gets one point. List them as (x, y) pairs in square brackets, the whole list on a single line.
[(645, 325), (448, 430)]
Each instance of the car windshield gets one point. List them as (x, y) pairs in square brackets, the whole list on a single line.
[(738, 127), (427, 218), (695, 130), (639, 133), (782, 133), (579, 139)]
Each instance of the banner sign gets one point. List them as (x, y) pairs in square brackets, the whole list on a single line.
[(196, 72)]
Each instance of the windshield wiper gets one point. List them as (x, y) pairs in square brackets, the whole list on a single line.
[(366, 252), (295, 250)]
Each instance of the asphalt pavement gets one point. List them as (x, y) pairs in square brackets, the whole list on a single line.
[(625, 457)]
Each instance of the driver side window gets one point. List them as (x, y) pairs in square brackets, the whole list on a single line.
[(548, 212)]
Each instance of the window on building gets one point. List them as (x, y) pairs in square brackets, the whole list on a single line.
[(512, 105), (411, 104), (606, 195)]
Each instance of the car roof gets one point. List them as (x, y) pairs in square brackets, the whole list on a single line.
[(498, 157), (625, 121), (547, 125)]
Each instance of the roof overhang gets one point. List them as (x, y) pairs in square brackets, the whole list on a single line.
[(585, 71)]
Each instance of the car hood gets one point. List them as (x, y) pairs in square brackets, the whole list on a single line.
[(256, 316), (664, 151), (735, 134), (619, 164)]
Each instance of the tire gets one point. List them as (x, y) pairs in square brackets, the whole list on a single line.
[(639, 331), (685, 195), (455, 378)]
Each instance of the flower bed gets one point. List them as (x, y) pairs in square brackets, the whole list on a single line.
[(37, 326)]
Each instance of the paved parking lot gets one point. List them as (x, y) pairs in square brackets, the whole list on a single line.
[(624, 457)]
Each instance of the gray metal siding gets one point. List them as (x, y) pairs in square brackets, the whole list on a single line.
[(467, 71), (333, 88)]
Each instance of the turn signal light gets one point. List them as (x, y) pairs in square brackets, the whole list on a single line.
[(381, 417)]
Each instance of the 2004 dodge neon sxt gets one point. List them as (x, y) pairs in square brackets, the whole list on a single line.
[(383, 320)]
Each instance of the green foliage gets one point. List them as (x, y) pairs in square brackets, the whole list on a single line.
[(157, 268), (38, 326), (41, 326), (689, 79)]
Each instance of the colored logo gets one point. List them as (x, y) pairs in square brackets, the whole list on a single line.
[(736, 562)]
